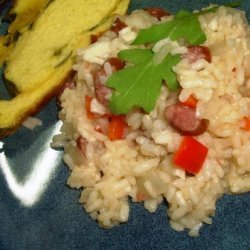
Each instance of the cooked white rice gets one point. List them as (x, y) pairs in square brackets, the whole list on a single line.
[(111, 172), (31, 123)]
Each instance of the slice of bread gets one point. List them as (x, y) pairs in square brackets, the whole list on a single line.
[(43, 57), (52, 39), (21, 17)]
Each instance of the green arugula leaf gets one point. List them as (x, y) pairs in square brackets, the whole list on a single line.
[(185, 25), (168, 74), (212, 9), (140, 85), (136, 56)]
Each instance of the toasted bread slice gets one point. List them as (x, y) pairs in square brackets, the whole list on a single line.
[(38, 88), (21, 17)]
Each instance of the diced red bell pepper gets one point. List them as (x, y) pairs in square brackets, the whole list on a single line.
[(117, 123), (116, 127), (246, 124), (190, 155), (190, 102), (90, 114)]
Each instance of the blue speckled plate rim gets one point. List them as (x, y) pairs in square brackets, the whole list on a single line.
[(57, 220)]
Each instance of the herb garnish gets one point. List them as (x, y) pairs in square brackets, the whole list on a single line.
[(139, 85), (185, 25), (212, 9)]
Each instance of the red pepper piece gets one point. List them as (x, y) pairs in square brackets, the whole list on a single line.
[(190, 155), (191, 102), (116, 127)]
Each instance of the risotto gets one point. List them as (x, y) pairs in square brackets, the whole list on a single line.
[(156, 112)]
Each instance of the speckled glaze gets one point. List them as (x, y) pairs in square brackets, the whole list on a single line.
[(45, 214)]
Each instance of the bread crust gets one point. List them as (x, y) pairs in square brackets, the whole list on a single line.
[(34, 109)]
